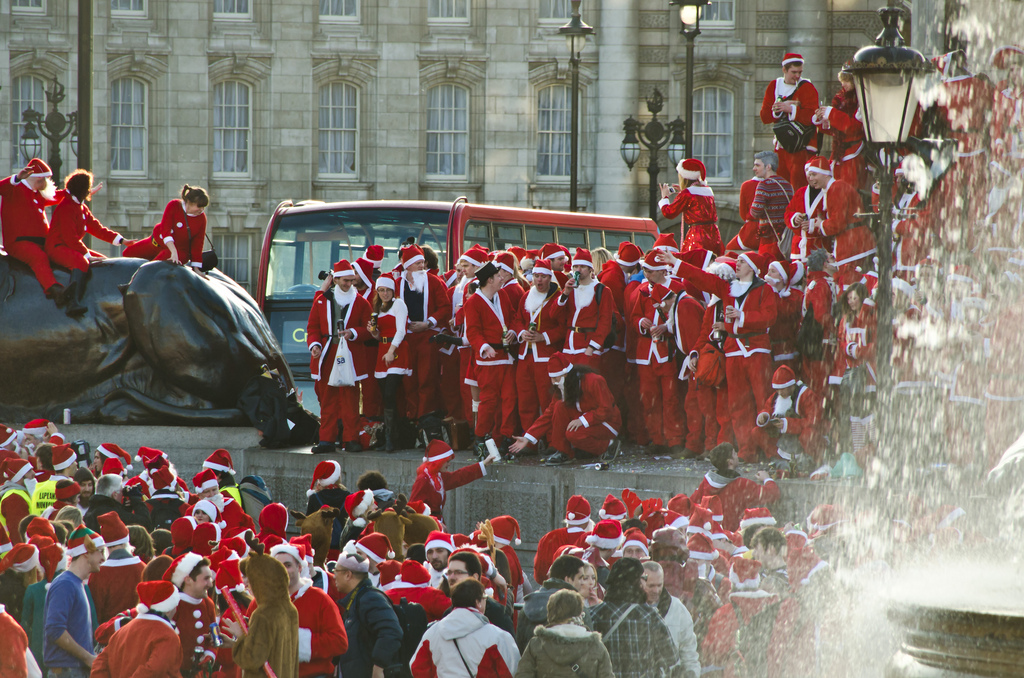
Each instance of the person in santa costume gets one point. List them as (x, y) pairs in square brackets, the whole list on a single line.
[(841, 121), (181, 233), (24, 198), (695, 201), (191, 574), (768, 208), (426, 300), (467, 265), (337, 319), (147, 645), (541, 332), (432, 481), (685, 323), (795, 99), (785, 277), (438, 547), (113, 587), (735, 492), (577, 526), (389, 324), (584, 419), (490, 320), (413, 585), (558, 255), (17, 660), (617, 366), (589, 312), (737, 639), (789, 424), (855, 360)]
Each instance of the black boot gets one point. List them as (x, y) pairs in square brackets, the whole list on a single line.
[(389, 430), (56, 292), (74, 293)]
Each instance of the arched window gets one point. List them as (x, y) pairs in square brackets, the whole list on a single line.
[(26, 92), (713, 130), (339, 128), (127, 125), (447, 131), (554, 124), (231, 127)]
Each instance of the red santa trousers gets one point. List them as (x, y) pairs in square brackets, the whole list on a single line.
[(35, 256), (533, 386), (144, 248), (634, 416), (465, 388), (451, 382), (421, 392), (695, 430), (714, 406), (338, 404), (496, 415), (69, 259), (591, 439), (791, 167), (659, 400), (613, 369), (370, 391), (748, 380)]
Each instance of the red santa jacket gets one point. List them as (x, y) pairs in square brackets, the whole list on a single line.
[(320, 330), (514, 291), (747, 238), (187, 234), (113, 587), (855, 344), (696, 204), (433, 602), (820, 295), (23, 211), (437, 307), (549, 318), (805, 98), (589, 314), (192, 619), (737, 495), (810, 203), (852, 239), (13, 658), (789, 314), (847, 132), (756, 304), (146, 646), (486, 324), (573, 535), (430, 488), (801, 418), (649, 352), (614, 280), (687, 322), (719, 646), (322, 635), (596, 407), (71, 221)]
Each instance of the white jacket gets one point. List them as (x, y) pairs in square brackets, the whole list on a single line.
[(438, 656), (680, 625)]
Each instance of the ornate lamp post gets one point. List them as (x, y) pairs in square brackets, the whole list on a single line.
[(55, 126), (575, 33), (689, 14), (654, 135)]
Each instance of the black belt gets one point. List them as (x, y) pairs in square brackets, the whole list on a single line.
[(35, 241), (583, 330), (750, 335), (385, 340)]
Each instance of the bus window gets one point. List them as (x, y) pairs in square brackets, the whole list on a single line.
[(507, 235), (596, 240), (612, 239), (538, 236), (572, 238), (477, 233), (645, 241)]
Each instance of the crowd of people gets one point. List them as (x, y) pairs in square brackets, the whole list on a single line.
[(113, 574)]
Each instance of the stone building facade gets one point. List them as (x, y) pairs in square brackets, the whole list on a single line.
[(264, 101)]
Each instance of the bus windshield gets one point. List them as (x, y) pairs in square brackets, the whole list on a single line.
[(306, 243)]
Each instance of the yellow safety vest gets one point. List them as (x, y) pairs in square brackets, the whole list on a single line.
[(235, 494), (24, 495), (43, 497)]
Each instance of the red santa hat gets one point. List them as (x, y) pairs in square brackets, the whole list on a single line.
[(1007, 56), (801, 565), (475, 255), (700, 522), (206, 538), (823, 518), (792, 58), (293, 550), (36, 427), (22, 558), (612, 509), (82, 540), (343, 269), (40, 527), (274, 518), (795, 538), (221, 555), (157, 596), (755, 261), (5, 542), (63, 457), (636, 537), (552, 251), (7, 435), (413, 575), (713, 503), (113, 530), (666, 242), (506, 528), (376, 547), (559, 364), (543, 267), (506, 261), (229, 576), (304, 542), (112, 451), (784, 377), (607, 534), (701, 548), (39, 168), (181, 535), (795, 272), (147, 454), (205, 480), (357, 505), (220, 460), (629, 254), (691, 169), (15, 470), (745, 575), (439, 540), (385, 281), (582, 258), (756, 516), (51, 557), (162, 478), (818, 165), (437, 450), (680, 504), (375, 255), (57, 437), (327, 472), (518, 252), (390, 575), (650, 262), (577, 510), (419, 507), (410, 254), (112, 467), (364, 269), (676, 521)]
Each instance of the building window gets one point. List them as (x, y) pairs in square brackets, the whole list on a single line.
[(27, 6), (554, 123), (233, 256), (719, 14), (339, 124), (555, 9), (26, 92), (127, 126), (448, 10), (447, 130), (339, 9), (128, 6), (231, 9), (231, 128), (713, 130)]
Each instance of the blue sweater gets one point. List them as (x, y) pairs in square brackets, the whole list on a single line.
[(66, 609)]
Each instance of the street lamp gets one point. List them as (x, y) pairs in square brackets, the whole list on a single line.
[(690, 12), (653, 135), (575, 33), (888, 78), (55, 126)]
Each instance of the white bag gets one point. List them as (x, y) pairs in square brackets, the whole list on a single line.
[(343, 373)]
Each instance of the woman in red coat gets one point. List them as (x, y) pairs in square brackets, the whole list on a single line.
[(180, 234), (855, 359), (696, 202), (388, 325)]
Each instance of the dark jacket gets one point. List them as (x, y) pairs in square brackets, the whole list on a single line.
[(100, 504), (164, 510), (375, 636), (553, 652), (535, 610)]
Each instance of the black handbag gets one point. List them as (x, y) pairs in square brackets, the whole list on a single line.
[(210, 258), (793, 136)]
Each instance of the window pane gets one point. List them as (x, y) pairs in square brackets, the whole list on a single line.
[(233, 255), (572, 238), (721, 11), (448, 9), (554, 9), (127, 5), (447, 130), (231, 127), (712, 130), (127, 125), (554, 124), (477, 232), (537, 237), (231, 6), (27, 4), (507, 235), (338, 129), (337, 7), (26, 92)]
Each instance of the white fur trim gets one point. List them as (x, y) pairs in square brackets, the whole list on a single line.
[(582, 262), (444, 455), (305, 644), (686, 174), (359, 522), (605, 516), (820, 566), (744, 524), (792, 60), (165, 606), (362, 507), (187, 564), (700, 555), (218, 467), (601, 543), (791, 382), (291, 550)]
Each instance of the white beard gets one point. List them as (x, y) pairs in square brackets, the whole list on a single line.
[(782, 406), (345, 298), (417, 281), (218, 501), (49, 191), (534, 300), (738, 289), (584, 294)]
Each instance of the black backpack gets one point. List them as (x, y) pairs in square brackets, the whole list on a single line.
[(270, 407), (413, 620), (810, 336), (753, 637)]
